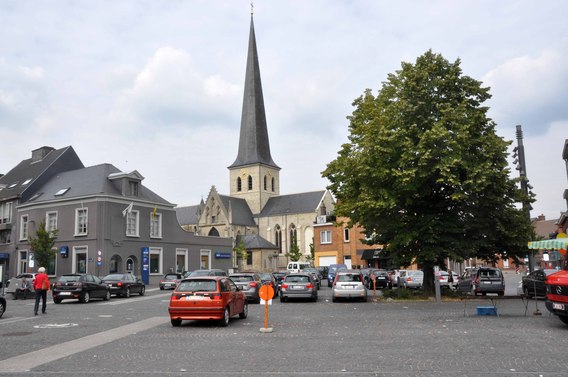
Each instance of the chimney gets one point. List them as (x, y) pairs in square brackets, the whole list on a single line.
[(541, 218), (40, 153)]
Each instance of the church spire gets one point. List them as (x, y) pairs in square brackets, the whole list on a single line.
[(254, 147)]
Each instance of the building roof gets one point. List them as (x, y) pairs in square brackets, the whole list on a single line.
[(240, 211), (93, 180), (304, 202), (254, 147), (543, 227), (254, 241), (25, 177), (188, 214)]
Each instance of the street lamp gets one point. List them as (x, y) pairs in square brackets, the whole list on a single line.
[(519, 152)]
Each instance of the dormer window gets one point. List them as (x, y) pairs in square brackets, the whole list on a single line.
[(133, 188), (62, 191)]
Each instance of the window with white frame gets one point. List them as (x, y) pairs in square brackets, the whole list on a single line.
[(81, 217), (80, 255), (132, 224), (156, 225), (24, 227), (156, 260), (51, 221), (325, 236), (5, 213)]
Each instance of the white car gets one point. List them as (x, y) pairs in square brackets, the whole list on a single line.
[(348, 284)]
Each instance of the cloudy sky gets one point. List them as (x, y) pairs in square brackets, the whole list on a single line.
[(156, 86)]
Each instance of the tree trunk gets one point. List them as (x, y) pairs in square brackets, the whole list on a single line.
[(428, 279)]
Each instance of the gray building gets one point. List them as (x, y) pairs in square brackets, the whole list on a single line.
[(106, 219)]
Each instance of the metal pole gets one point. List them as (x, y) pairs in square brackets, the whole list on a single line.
[(524, 184)]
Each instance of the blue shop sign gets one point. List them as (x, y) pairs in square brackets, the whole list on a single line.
[(64, 251), (4, 255), (223, 255)]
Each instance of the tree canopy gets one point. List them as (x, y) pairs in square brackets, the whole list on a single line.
[(425, 172), (42, 245)]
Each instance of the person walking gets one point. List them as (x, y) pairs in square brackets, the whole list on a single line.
[(41, 286)]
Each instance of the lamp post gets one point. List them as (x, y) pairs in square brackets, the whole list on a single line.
[(519, 155)]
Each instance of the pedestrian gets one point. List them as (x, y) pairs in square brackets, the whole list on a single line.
[(41, 286), (450, 279)]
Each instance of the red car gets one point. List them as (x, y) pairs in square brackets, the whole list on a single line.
[(207, 298)]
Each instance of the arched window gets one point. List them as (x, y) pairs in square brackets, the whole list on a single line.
[(239, 184), (293, 235), (250, 182), (278, 237), (214, 232), (265, 183), (273, 184)]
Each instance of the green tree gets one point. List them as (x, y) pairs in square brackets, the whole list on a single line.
[(425, 172), (240, 251), (42, 245), (294, 254)]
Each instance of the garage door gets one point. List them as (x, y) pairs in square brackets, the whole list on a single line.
[(326, 261)]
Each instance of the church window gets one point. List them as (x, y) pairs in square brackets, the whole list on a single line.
[(239, 184), (278, 237), (249, 182), (272, 184), (265, 183), (213, 232), (293, 235)]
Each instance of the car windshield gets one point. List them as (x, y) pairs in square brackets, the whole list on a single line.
[(266, 277), (490, 273), (241, 278), (205, 285), (171, 277), (311, 269), (114, 277), (349, 277), (69, 278), (200, 273), (297, 279), (380, 273)]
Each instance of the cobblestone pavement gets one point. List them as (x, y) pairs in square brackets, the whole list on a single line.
[(394, 339)]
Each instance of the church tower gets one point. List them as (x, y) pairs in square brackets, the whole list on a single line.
[(254, 175)]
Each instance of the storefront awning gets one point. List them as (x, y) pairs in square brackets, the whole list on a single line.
[(553, 244), (371, 254)]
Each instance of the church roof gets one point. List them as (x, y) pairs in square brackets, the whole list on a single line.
[(188, 214), (241, 213), (254, 147), (304, 202), (254, 241)]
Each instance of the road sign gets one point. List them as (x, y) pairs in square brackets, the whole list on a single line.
[(266, 292)]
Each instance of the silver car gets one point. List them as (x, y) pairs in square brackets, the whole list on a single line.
[(299, 286), (349, 284), (413, 279)]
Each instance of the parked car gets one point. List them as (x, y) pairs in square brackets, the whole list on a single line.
[(213, 272), (268, 279), (395, 277), (331, 272), (348, 284), (207, 298), (482, 280), (381, 279), (299, 285), (2, 306), (297, 266), (249, 283), (533, 284), (14, 286), (314, 271), (279, 277), (557, 295), (124, 284), (82, 287), (323, 272), (366, 278), (412, 279), (170, 281)]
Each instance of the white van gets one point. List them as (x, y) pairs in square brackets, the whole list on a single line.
[(294, 267)]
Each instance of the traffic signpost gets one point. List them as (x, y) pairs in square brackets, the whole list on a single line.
[(266, 292)]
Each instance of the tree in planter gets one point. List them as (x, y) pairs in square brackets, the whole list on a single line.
[(312, 257), (294, 254), (241, 252), (42, 245), (425, 172)]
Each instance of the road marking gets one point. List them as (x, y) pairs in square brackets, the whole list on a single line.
[(26, 362), (134, 299)]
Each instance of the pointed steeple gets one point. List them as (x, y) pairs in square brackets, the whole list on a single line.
[(254, 147)]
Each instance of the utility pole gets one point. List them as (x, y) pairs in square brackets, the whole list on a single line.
[(519, 155)]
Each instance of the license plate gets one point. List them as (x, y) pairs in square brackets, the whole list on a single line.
[(194, 298), (64, 293), (486, 282), (297, 287), (556, 306)]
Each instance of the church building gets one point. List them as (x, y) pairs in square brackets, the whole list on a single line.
[(269, 223)]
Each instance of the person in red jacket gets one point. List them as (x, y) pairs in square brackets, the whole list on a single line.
[(41, 286)]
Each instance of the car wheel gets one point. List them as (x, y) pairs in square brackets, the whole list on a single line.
[(86, 298), (315, 298), (564, 319), (161, 288), (142, 291), (2, 308), (364, 299), (257, 301), (57, 300), (107, 296), (224, 322), (282, 299), (127, 293), (501, 294), (175, 322), (244, 313), (334, 299)]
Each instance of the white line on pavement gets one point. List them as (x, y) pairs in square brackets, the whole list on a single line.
[(26, 362)]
